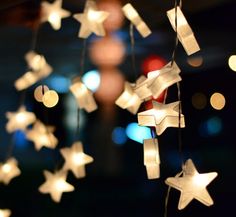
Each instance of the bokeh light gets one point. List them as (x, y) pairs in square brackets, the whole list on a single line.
[(138, 133), (211, 127), (58, 83), (152, 63), (195, 61), (199, 101), (39, 92), (232, 62), (119, 136), (50, 98), (92, 80), (217, 101)]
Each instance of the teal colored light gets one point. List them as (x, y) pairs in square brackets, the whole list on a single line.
[(58, 83), (214, 126), (138, 133), (92, 80), (119, 136)]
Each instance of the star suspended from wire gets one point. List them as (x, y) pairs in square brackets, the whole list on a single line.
[(53, 13), (76, 159), (91, 20), (55, 185), (9, 170), (192, 185)]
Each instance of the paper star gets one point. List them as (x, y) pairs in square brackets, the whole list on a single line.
[(83, 95), (53, 13), (5, 212), (129, 99), (55, 185), (42, 135), (91, 20), (9, 170), (75, 159), (161, 116), (192, 185), (184, 31), (157, 81), (151, 158), (19, 120), (135, 18)]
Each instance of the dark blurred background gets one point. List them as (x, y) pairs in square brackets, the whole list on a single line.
[(116, 184)]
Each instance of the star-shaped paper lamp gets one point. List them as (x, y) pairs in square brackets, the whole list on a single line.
[(161, 116), (151, 158), (76, 159), (39, 70), (19, 120), (55, 185), (192, 185), (136, 20), (157, 81), (129, 99), (184, 31), (53, 13), (9, 170), (83, 95), (5, 213), (91, 20), (42, 135)]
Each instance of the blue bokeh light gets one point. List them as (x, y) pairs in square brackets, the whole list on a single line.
[(92, 80), (212, 127), (119, 136), (58, 83), (138, 133), (20, 139)]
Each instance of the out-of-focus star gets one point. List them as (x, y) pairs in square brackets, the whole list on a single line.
[(91, 20), (19, 120), (161, 116), (42, 135), (55, 185), (9, 170), (192, 185), (76, 159), (5, 212), (53, 13)]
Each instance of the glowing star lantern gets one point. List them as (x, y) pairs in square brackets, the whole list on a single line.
[(53, 13), (39, 70), (134, 17), (184, 31), (75, 159), (42, 135), (9, 170), (151, 158), (19, 120), (83, 95), (91, 20), (5, 213), (50, 98), (55, 185), (157, 81), (129, 99), (39, 92), (192, 185), (161, 116)]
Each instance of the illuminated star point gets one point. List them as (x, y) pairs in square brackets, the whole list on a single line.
[(192, 185), (5, 212)]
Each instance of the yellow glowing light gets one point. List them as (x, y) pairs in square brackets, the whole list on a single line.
[(217, 101), (195, 61), (6, 168), (37, 62), (5, 212), (232, 62), (199, 101), (78, 158), (50, 98), (39, 92)]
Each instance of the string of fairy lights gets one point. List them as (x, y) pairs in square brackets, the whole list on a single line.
[(190, 183)]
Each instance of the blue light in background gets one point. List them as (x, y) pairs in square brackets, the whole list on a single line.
[(212, 127), (58, 83), (119, 136), (92, 80), (138, 133), (20, 139)]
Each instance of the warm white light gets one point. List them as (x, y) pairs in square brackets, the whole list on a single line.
[(37, 62), (5, 212), (92, 15), (78, 158), (232, 62), (20, 118), (199, 180), (39, 92), (59, 184), (217, 101), (54, 19), (6, 168), (50, 98)]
